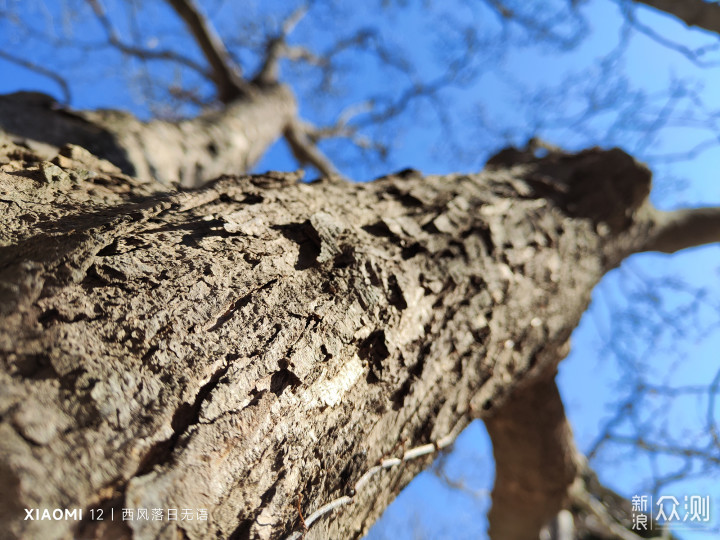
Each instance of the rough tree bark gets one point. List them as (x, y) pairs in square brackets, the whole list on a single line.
[(186, 153), (256, 346)]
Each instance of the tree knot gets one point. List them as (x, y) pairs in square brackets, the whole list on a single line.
[(606, 186)]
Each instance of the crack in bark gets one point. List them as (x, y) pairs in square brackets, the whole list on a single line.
[(184, 417)]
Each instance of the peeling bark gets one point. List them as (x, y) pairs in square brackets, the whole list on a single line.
[(261, 343)]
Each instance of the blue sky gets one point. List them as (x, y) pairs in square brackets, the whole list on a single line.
[(634, 111)]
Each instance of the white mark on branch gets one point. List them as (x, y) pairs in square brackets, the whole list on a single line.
[(386, 463), (330, 392)]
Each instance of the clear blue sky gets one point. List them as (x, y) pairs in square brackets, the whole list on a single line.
[(485, 115)]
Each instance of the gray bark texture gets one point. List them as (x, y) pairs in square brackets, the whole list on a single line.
[(254, 347)]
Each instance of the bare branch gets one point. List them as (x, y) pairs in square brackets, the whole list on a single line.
[(543, 24), (292, 20), (535, 460), (711, 423), (341, 129), (682, 229), (139, 52), (226, 75), (641, 421), (581, 497), (276, 48), (306, 151), (60, 81), (699, 13), (694, 55), (439, 470), (671, 450)]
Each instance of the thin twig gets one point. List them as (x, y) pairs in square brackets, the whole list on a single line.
[(299, 509), (61, 82), (276, 49), (139, 52)]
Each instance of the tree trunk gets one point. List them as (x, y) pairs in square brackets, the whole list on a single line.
[(186, 153), (254, 347)]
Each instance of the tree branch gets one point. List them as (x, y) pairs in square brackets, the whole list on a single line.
[(139, 52), (276, 48), (225, 74), (682, 229), (306, 151), (584, 500), (693, 54), (60, 81), (705, 15), (535, 460)]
